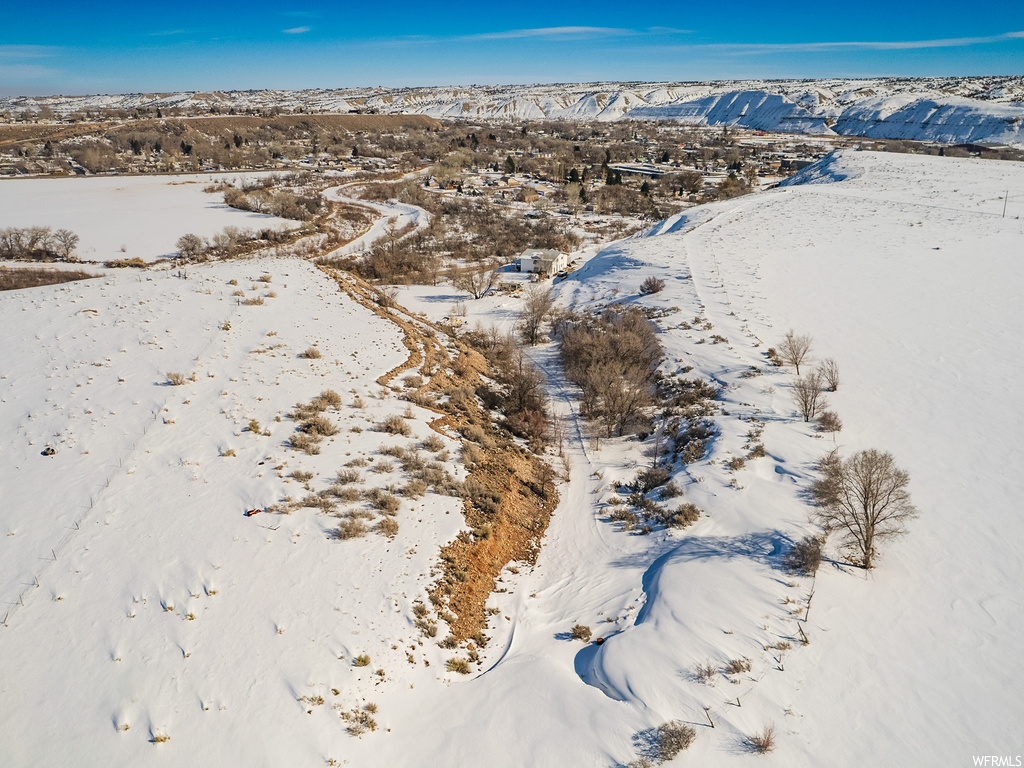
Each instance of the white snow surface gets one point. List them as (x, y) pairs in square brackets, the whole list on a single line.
[(120, 217), (903, 269)]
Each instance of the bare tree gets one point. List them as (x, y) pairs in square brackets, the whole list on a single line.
[(66, 241), (475, 282), (864, 499), (573, 199), (794, 349), (807, 394), (536, 309), (829, 370)]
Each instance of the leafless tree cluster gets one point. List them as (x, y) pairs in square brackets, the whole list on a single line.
[(863, 499), (519, 392), (38, 244), (228, 243), (613, 357), (283, 203)]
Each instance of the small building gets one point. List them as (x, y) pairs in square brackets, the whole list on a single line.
[(541, 260)]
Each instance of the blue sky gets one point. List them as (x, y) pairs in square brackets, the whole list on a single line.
[(107, 47)]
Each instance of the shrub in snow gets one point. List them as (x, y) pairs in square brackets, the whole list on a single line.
[(829, 421), (705, 672), (684, 515), (394, 425), (649, 479), (352, 528), (581, 632), (318, 425), (651, 285), (764, 740), (458, 665), (805, 556), (673, 738)]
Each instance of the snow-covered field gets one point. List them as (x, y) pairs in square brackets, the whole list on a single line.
[(140, 596), (128, 217)]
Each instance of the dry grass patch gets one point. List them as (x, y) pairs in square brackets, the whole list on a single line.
[(763, 741), (673, 738), (352, 528), (458, 665), (307, 443), (16, 279), (395, 425), (705, 672), (581, 632), (318, 425)]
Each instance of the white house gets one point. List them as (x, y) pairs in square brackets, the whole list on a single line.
[(548, 261)]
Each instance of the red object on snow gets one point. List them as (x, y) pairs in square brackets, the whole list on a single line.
[(251, 512)]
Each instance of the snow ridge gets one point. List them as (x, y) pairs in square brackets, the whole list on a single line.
[(951, 110)]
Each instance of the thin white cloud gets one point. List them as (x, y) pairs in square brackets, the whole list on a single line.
[(513, 34), (669, 31), (296, 30), (863, 45)]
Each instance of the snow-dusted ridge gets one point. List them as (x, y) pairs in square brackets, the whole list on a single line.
[(951, 110)]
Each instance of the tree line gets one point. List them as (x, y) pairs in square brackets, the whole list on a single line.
[(38, 244)]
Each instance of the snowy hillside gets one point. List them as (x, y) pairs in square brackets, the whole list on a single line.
[(139, 602), (960, 109), (903, 270)]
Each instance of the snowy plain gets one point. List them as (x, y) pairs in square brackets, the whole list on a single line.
[(901, 267), (126, 217)]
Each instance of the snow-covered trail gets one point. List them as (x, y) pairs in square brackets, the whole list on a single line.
[(393, 216)]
